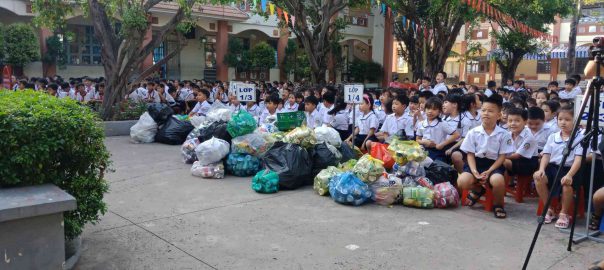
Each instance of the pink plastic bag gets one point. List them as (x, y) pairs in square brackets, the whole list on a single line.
[(445, 195)]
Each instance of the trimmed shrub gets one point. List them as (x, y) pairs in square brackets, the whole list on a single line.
[(58, 141)]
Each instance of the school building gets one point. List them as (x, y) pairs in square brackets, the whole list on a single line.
[(365, 38)]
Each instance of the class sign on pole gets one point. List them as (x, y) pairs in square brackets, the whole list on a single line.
[(353, 93), (245, 92), (579, 100), (233, 87)]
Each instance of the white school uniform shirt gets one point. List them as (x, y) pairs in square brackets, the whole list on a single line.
[(340, 120), (441, 87), (462, 127), (525, 144), (290, 108), (367, 122), (474, 121), (266, 114), (235, 108), (153, 96), (570, 95), (254, 110), (488, 92), (261, 106), (169, 99), (393, 124), (62, 94), (357, 113), (92, 95), (381, 115), (313, 119), (202, 108), (186, 94), (436, 130), (325, 117), (552, 125), (483, 145), (541, 136), (555, 146)]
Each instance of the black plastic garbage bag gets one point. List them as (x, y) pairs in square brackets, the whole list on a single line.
[(347, 152), (217, 129), (173, 131), (440, 172), (322, 158), (160, 112), (291, 162)]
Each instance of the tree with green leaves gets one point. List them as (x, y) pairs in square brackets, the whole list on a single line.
[(366, 71), (514, 44), (296, 61), (55, 52), (318, 28), (237, 57), (427, 49), (21, 45), (262, 56), (124, 46), (2, 54)]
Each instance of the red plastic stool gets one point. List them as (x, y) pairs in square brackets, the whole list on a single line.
[(555, 204), (487, 202), (522, 188)]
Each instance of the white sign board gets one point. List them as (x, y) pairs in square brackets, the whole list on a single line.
[(578, 102), (233, 87), (353, 93), (246, 92)]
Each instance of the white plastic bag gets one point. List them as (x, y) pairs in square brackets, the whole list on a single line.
[(328, 135), (212, 151), (215, 171), (197, 120), (254, 144), (144, 130), (218, 112)]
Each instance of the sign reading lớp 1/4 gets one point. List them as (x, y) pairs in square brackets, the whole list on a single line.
[(353, 93), (246, 92)]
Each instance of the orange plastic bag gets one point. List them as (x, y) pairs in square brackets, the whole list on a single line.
[(380, 151)]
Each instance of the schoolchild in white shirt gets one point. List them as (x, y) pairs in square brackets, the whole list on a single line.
[(329, 98), (313, 117), (486, 147), (455, 118), (550, 108), (425, 86), (397, 122), (433, 133), (269, 115), (203, 106), (339, 118), (570, 91), (79, 93), (290, 105), (440, 83), (525, 158), (152, 94), (235, 105), (536, 124), (472, 104), (551, 162), (366, 124)]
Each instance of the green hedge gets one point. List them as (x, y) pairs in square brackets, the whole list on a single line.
[(48, 140)]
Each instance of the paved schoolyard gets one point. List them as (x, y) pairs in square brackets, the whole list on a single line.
[(161, 217)]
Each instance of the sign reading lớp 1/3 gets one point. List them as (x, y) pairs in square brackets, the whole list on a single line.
[(246, 92)]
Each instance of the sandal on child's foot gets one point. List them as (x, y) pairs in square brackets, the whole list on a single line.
[(594, 222), (499, 211), (596, 266), (474, 196), (563, 221), (550, 216)]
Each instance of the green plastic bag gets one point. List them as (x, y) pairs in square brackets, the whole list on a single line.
[(348, 165), (242, 123), (405, 151), (321, 184), (266, 181), (368, 169), (420, 197)]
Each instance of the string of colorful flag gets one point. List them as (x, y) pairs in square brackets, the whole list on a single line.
[(478, 5), (273, 9)]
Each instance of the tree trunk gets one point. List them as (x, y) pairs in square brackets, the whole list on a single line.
[(508, 68), (571, 66)]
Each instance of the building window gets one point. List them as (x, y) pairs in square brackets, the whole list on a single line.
[(84, 49), (544, 66), (592, 29), (581, 29), (479, 34)]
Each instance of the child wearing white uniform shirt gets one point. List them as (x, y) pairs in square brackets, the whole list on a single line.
[(290, 105), (486, 147), (398, 121), (433, 133), (253, 109), (313, 117), (536, 124), (550, 109), (366, 124), (269, 115), (570, 90), (340, 119), (524, 160), (551, 162), (203, 106)]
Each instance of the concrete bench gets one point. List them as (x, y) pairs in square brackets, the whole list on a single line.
[(31, 227)]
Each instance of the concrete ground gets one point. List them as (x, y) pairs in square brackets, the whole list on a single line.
[(161, 217)]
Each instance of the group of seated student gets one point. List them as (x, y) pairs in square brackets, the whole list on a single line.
[(83, 89)]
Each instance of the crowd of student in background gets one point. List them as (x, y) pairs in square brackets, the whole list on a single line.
[(482, 132)]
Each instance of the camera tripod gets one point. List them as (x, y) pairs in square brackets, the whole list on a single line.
[(588, 142)]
